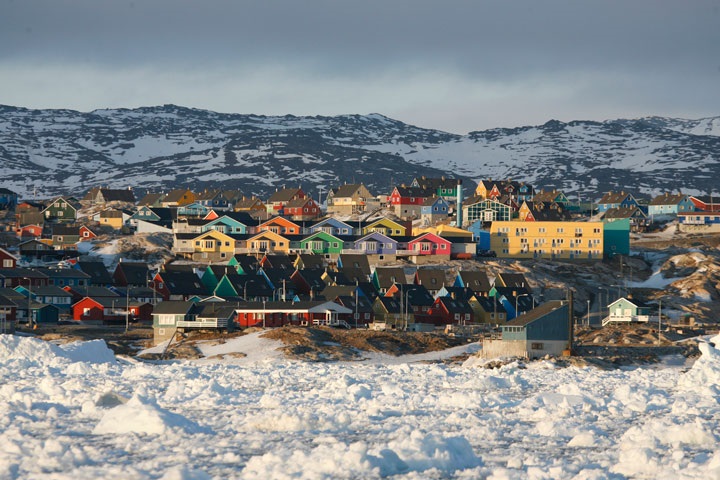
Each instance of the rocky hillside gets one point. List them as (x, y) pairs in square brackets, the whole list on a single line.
[(48, 152)]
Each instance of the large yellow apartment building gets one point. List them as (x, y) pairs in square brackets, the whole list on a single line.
[(551, 240)]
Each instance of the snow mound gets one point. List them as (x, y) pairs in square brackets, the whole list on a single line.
[(25, 352), (419, 453), (143, 415), (704, 376)]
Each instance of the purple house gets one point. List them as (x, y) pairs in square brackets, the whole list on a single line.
[(376, 244)]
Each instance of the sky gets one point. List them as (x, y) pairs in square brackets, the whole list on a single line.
[(452, 65)]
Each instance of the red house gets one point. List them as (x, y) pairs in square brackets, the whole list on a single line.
[(451, 311), (86, 233), (301, 209), (107, 309), (407, 202), (430, 244), (7, 259), (29, 231), (281, 197), (277, 314)]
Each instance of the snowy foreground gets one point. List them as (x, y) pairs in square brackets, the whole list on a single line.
[(76, 412)]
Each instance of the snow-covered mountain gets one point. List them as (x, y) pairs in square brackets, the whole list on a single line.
[(155, 148)]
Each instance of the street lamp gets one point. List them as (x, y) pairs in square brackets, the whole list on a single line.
[(516, 302), (588, 312)]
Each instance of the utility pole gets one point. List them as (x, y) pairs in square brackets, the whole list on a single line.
[(127, 309), (659, 319)]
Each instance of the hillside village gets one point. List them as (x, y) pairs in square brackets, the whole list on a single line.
[(425, 256)]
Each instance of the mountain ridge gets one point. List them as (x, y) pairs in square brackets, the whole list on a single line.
[(60, 151)]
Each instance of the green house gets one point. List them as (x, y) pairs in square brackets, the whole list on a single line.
[(627, 310), (62, 209), (321, 243)]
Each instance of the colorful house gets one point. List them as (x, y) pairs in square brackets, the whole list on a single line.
[(321, 243), (433, 210), (8, 199), (350, 199), (61, 209), (211, 246), (177, 198), (487, 210), (670, 204), (407, 202), (280, 225), (447, 188), (268, 242), (376, 244), (280, 198), (332, 226), (553, 240), (387, 227), (616, 200), (301, 209), (430, 244), (545, 330)]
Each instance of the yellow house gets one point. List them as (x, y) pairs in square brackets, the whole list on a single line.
[(268, 242), (211, 245), (112, 218), (551, 240), (387, 227)]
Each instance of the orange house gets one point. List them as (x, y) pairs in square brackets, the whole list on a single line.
[(280, 225)]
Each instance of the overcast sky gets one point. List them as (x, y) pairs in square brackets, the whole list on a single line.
[(452, 65)]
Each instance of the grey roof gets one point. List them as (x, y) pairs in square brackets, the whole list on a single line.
[(172, 308), (538, 312)]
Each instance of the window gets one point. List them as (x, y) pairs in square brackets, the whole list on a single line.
[(7, 263), (536, 346)]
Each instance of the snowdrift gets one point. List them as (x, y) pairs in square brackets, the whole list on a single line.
[(25, 352)]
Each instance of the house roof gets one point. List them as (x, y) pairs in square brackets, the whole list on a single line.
[(623, 212), (455, 305), (364, 304), (64, 273), (351, 260), (67, 230), (491, 304), (111, 213), (312, 261), (6, 302), (284, 195), (388, 276), (516, 280), (118, 195), (278, 261), (333, 291), (613, 197), (347, 190), (537, 313), (391, 304), (97, 271), (172, 308), (150, 199), (135, 273), (432, 278), (299, 202), (180, 282), (435, 183), (413, 192), (175, 196), (668, 199), (476, 280), (312, 277), (417, 295)]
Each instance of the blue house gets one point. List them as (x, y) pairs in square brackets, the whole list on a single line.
[(195, 209), (333, 226), (671, 204), (545, 330), (616, 200), (434, 209), (8, 199), (376, 244), (226, 224)]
